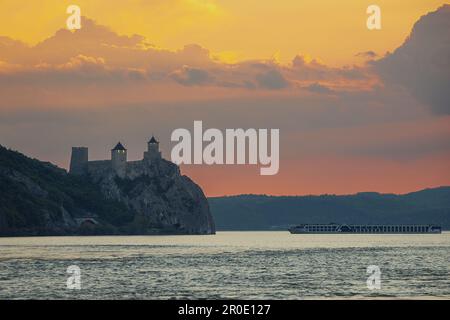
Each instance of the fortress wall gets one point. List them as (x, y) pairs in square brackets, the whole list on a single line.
[(134, 164), (98, 166)]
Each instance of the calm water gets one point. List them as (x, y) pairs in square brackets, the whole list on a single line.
[(242, 265)]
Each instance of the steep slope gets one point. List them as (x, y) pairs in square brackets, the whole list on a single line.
[(161, 196)]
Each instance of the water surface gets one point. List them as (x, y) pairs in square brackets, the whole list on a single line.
[(228, 265)]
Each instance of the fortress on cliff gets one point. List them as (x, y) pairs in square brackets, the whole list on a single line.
[(80, 164), (161, 200)]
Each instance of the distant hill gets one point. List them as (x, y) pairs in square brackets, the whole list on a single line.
[(260, 212)]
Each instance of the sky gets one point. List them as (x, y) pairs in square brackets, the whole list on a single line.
[(358, 109), (332, 31)]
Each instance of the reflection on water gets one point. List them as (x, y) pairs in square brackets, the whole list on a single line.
[(245, 265)]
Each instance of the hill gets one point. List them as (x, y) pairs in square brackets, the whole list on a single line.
[(38, 198), (261, 212)]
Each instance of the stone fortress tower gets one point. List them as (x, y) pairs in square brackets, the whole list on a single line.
[(152, 152), (79, 160), (119, 160), (80, 164)]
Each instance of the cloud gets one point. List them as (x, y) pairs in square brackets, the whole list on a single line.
[(318, 88), (96, 58), (96, 53), (191, 76), (367, 54), (422, 62), (305, 70), (77, 71), (84, 63), (272, 79)]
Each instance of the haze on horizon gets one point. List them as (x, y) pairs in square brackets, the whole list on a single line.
[(351, 117)]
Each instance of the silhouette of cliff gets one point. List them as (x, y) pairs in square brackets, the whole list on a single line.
[(38, 198)]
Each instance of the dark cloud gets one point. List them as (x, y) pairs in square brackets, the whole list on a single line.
[(272, 79), (318, 88), (191, 76), (316, 71), (422, 63), (367, 54)]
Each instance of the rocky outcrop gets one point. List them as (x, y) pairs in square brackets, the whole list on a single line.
[(165, 201), (38, 198)]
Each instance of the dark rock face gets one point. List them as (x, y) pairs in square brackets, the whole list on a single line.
[(165, 201), (38, 198)]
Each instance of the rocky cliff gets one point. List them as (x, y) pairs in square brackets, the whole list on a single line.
[(38, 198), (162, 198)]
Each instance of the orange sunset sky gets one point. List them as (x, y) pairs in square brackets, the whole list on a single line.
[(358, 110)]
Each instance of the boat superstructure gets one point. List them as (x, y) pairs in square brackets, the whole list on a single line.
[(365, 228)]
